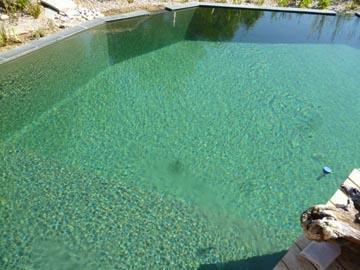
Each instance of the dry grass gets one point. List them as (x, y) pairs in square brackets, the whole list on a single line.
[(34, 10), (8, 38), (3, 36)]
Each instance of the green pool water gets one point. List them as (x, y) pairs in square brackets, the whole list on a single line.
[(187, 140)]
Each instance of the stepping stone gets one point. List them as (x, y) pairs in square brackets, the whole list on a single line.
[(59, 5)]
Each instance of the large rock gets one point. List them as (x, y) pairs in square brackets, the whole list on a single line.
[(59, 5)]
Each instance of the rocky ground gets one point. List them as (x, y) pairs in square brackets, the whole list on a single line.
[(20, 27)]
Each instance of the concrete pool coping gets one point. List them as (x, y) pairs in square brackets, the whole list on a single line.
[(13, 54)]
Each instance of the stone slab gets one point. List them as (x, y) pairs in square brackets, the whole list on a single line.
[(126, 15), (71, 31), (355, 177), (178, 6), (293, 261), (340, 198), (357, 14), (92, 23), (18, 51), (346, 261)]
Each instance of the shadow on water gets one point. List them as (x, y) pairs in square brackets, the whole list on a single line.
[(137, 36), (263, 262), (253, 26), (220, 24)]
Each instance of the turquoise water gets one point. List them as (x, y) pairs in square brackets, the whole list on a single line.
[(196, 150)]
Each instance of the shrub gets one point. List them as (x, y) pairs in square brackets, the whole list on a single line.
[(34, 10), (283, 3), (352, 6), (11, 6), (21, 4), (259, 2), (8, 36), (305, 3), (323, 3), (38, 34)]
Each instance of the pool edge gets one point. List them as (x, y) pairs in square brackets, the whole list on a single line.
[(180, 6), (35, 45), (32, 46), (292, 260), (175, 7)]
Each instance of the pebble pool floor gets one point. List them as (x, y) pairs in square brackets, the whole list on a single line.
[(172, 164)]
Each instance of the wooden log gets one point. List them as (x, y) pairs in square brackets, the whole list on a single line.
[(329, 223)]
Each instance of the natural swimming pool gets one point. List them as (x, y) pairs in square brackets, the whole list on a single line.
[(175, 141)]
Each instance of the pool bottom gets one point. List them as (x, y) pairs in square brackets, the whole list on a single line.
[(185, 156), (64, 218)]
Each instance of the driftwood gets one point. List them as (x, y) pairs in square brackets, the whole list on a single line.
[(340, 224)]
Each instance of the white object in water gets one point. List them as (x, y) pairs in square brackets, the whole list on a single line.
[(321, 254)]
